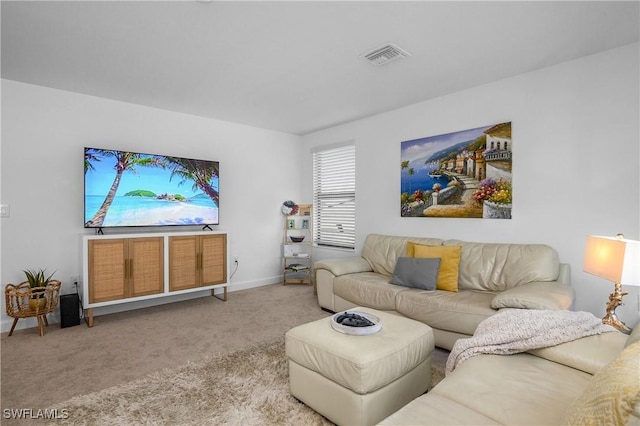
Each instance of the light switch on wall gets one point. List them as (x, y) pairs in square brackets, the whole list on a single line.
[(4, 210)]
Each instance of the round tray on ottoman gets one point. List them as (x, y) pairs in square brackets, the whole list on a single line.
[(356, 331)]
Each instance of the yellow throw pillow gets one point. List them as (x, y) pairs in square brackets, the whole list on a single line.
[(449, 264), (411, 249), (612, 393)]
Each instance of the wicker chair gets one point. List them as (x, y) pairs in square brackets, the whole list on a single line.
[(22, 302)]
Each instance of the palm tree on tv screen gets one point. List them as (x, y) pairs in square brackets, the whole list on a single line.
[(125, 161), (89, 158), (199, 171)]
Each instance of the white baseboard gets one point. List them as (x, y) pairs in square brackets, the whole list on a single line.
[(54, 318)]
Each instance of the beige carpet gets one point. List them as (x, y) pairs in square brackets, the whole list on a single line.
[(127, 346), (246, 387)]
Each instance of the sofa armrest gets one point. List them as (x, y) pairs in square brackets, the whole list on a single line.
[(535, 295), (588, 354), (348, 265), (327, 270), (564, 274)]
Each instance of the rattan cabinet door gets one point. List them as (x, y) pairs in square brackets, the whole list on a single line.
[(146, 266), (183, 262), (107, 274), (213, 259)]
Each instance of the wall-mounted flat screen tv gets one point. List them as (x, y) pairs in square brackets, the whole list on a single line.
[(123, 188)]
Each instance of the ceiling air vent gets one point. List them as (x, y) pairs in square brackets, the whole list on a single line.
[(384, 54)]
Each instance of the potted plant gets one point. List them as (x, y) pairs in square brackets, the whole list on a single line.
[(37, 279)]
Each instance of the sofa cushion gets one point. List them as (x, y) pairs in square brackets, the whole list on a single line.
[(588, 354), (434, 410), (459, 312), (416, 273), (514, 389), (368, 289), (450, 262), (382, 251), (497, 267), (535, 295), (611, 395)]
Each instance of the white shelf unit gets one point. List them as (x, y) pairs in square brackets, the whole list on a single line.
[(297, 259)]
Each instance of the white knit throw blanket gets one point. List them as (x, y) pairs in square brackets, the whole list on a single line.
[(517, 330)]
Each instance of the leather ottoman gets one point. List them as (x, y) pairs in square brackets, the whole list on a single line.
[(359, 380)]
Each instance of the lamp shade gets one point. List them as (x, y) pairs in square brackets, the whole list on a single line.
[(614, 259)]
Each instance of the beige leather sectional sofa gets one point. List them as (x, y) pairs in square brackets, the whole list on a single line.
[(590, 381), (490, 276)]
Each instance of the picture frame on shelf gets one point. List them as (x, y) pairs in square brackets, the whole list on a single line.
[(291, 223), (305, 210), (305, 223)]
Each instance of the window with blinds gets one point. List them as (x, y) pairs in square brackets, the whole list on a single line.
[(334, 197)]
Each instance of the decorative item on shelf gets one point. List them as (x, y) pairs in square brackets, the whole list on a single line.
[(305, 223), (297, 267), (618, 260), (289, 208), (297, 239), (305, 210)]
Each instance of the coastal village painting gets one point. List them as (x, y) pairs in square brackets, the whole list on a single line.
[(465, 174)]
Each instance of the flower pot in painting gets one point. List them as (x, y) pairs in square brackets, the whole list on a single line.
[(492, 210)]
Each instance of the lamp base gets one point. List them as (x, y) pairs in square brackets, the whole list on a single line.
[(612, 320), (615, 300)]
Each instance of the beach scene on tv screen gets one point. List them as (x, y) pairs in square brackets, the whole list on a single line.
[(132, 189)]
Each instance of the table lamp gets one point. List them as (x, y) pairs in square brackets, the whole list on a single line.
[(615, 259)]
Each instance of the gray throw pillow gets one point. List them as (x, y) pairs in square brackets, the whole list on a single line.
[(416, 272)]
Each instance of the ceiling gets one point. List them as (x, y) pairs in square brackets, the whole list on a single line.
[(294, 66)]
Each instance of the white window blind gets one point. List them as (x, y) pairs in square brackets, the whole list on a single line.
[(334, 197)]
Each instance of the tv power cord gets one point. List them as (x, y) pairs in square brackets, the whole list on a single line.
[(236, 264)]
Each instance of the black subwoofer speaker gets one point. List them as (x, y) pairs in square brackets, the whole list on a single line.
[(69, 310)]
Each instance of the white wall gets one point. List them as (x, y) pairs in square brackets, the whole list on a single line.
[(43, 135), (575, 162)]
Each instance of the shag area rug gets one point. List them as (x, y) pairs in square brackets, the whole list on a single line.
[(247, 387)]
